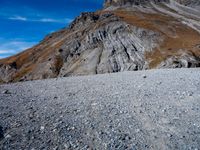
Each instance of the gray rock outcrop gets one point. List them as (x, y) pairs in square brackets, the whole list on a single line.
[(132, 2)]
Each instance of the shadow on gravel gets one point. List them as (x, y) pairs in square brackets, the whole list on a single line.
[(1, 133)]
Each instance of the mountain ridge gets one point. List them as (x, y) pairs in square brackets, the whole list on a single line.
[(108, 3), (114, 39)]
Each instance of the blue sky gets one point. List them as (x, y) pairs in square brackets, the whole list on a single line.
[(23, 23)]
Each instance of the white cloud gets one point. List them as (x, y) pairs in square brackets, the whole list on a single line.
[(7, 52), (14, 47), (67, 20), (18, 18), (46, 20)]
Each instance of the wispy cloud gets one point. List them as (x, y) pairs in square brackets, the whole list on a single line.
[(45, 20), (66, 20), (13, 47), (16, 45), (18, 18), (7, 52)]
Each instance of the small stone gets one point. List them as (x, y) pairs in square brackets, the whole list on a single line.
[(6, 92), (137, 130), (101, 133), (8, 136), (86, 147), (55, 148), (42, 128), (155, 137), (183, 136), (60, 112), (159, 83), (67, 146), (144, 76), (159, 107), (70, 128), (16, 125), (169, 135), (190, 93), (54, 130), (127, 137), (49, 141), (31, 116)]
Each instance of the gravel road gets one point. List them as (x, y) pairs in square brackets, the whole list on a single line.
[(156, 109)]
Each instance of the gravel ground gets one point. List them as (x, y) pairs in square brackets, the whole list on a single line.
[(157, 109)]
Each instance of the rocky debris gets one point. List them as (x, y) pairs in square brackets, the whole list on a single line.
[(144, 76), (110, 111), (6, 92), (8, 136), (183, 61), (191, 3)]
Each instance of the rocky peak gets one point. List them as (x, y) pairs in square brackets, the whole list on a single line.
[(192, 3), (107, 3), (130, 2)]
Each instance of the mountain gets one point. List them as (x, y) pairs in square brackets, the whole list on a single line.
[(126, 35)]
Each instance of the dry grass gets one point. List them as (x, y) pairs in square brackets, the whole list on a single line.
[(24, 71), (29, 60), (58, 63)]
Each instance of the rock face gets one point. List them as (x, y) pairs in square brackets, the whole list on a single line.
[(131, 2), (189, 2), (125, 35), (146, 2)]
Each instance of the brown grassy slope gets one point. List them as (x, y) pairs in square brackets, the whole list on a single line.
[(28, 61), (178, 38)]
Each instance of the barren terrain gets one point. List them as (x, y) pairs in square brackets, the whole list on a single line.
[(157, 109)]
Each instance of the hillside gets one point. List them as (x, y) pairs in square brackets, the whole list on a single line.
[(156, 109), (126, 35)]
